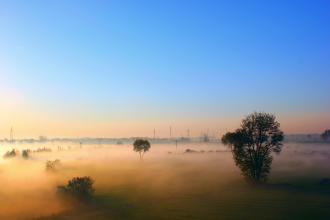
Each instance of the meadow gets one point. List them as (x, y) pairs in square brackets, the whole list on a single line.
[(167, 184)]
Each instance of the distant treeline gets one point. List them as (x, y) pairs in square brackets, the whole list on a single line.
[(305, 138), (301, 138)]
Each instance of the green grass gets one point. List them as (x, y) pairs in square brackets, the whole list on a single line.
[(232, 202)]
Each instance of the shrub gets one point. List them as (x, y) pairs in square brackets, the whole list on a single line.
[(53, 165), (78, 187), (26, 153), (10, 154)]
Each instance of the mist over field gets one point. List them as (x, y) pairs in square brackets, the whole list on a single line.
[(168, 184)]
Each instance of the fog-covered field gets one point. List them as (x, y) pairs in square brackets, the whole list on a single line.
[(167, 184)]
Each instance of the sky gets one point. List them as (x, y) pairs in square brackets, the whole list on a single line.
[(124, 68)]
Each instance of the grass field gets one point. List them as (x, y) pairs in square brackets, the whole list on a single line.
[(234, 201)]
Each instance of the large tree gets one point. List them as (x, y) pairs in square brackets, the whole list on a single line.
[(253, 143), (141, 146)]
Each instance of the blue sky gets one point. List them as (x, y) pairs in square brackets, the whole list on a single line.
[(188, 63)]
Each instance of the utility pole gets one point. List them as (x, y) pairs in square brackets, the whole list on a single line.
[(11, 138), (188, 133), (176, 145), (170, 131)]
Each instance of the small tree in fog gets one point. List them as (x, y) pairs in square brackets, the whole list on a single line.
[(53, 165), (11, 154), (253, 143), (141, 146), (26, 153)]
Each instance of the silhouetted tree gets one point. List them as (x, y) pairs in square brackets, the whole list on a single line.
[(253, 143), (78, 187), (26, 153), (326, 135), (141, 146), (10, 154)]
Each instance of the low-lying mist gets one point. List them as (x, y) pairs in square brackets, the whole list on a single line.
[(29, 191)]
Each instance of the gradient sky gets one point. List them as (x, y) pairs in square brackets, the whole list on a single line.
[(122, 68)]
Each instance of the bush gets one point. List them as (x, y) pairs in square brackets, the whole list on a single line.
[(53, 165), (26, 153), (10, 154), (78, 187)]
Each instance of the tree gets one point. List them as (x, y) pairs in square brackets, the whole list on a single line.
[(26, 153), (253, 143), (11, 154), (326, 135), (141, 146), (78, 187)]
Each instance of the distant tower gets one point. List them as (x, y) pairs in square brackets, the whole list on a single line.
[(170, 131), (188, 133), (11, 138), (154, 133)]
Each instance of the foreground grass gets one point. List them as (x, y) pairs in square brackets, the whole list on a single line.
[(232, 202)]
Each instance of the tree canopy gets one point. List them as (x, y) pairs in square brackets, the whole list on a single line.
[(141, 146), (253, 143), (79, 187)]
